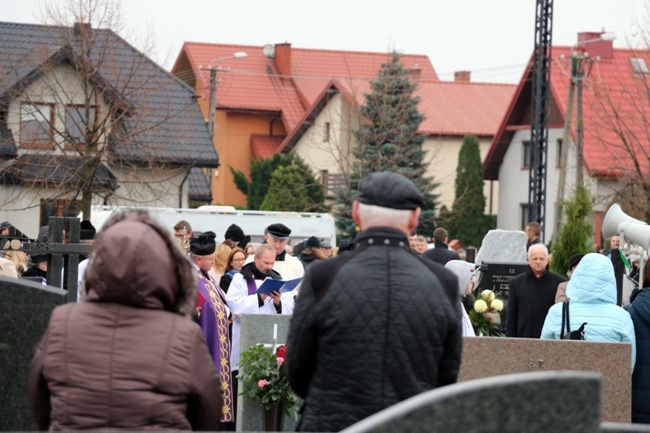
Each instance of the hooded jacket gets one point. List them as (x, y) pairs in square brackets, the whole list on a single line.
[(463, 271), (592, 299), (127, 358), (639, 310)]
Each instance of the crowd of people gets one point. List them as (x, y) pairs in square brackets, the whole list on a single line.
[(178, 298)]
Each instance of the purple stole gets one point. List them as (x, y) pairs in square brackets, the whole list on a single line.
[(252, 288), (213, 319)]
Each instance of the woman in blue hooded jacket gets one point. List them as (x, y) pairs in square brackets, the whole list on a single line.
[(592, 299), (639, 310)]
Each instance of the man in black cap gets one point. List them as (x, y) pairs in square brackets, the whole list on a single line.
[(378, 325), (5, 228), (38, 269), (236, 234), (87, 233), (214, 317), (288, 266)]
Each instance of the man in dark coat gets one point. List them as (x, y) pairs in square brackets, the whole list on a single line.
[(440, 252), (533, 231), (377, 325), (531, 295)]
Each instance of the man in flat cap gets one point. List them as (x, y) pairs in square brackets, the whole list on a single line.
[(288, 266), (378, 325), (214, 317)]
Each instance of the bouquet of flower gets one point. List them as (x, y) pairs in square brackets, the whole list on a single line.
[(263, 375), (485, 315)]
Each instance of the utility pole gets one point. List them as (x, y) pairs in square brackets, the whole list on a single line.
[(213, 100), (566, 140)]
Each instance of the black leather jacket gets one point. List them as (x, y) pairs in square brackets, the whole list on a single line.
[(371, 328)]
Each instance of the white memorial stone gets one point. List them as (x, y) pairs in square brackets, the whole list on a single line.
[(503, 246)]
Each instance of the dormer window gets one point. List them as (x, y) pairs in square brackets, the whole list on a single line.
[(36, 125), (77, 122), (639, 65)]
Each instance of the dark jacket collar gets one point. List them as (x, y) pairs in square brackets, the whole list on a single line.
[(382, 236)]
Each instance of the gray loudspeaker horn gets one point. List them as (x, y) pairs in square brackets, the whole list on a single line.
[(617, 222), (639, 234)]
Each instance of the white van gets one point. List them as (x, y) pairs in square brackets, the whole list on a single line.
[(219, 218)]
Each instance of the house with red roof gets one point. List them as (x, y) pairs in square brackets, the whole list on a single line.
[(284, 99), (616, 140), (451, 109), (263, 97)]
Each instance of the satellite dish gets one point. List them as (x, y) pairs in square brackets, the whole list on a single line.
[(269, 51)]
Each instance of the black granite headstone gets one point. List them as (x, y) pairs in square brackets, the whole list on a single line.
[(496, 276), (24, 314)]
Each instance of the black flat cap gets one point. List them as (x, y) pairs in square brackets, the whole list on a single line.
[(204, 244), (86, 230), (279, 231), (390, 190), (575, 259), (312, 242)]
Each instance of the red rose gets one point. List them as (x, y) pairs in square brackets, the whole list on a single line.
[(281, 351)]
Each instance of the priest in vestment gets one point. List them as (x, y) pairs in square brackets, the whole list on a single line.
[(214, 316)]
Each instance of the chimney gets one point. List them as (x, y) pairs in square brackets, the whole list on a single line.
[(81, 29), (283, 58), (462, 76), (604, 49)]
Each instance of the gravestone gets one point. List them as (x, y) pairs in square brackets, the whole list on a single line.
[(496, 276), (557, 401), (260, 329), (503, 246), (24, 314), (486, 357)]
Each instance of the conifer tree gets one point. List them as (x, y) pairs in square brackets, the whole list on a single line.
[(287, 191), (261, 173), (387, 140), (468, 222), (576, 230)]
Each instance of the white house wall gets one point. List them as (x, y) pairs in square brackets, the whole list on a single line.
[(332, 155), (514, 181), (442, 152)]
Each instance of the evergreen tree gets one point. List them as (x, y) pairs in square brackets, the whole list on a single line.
[(468, 222), (261, 173), (576, 230), (387, 140), (287, 191)]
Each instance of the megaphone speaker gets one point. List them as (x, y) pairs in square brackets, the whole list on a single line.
[(614, 222), (639, 234)]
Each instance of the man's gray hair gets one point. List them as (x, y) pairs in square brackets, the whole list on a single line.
[(264, 247), (373, 216), (538, 246)]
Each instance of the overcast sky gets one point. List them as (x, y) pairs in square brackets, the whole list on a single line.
[(491, 38)]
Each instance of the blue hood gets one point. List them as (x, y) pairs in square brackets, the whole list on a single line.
[(593, 280)]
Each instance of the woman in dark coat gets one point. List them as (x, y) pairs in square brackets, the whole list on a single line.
[(639, 309), (128, 357)]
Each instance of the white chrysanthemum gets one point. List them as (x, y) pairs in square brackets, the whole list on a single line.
[(480, 306), (488, 295), (497, 304)]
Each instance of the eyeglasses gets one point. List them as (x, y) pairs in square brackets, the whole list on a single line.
[(238, 260)]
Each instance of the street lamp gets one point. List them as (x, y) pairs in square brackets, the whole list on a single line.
[(213, 87)]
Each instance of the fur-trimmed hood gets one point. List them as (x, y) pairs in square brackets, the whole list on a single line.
[(135, 262)]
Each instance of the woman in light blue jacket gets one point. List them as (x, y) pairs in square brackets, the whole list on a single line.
[(592, 299)]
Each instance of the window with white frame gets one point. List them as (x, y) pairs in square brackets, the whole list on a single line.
[(36, 124)]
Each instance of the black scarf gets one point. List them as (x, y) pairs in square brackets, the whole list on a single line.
[(250, 273)]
